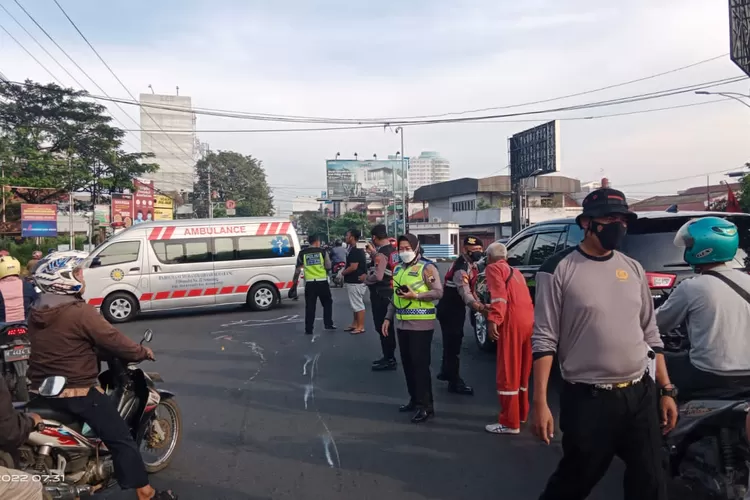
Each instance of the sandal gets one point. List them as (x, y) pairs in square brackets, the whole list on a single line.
[(164, 495), (349, 329), (356, 332)]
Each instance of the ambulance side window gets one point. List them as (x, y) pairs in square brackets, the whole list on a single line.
[(223, 249), (119, 253), (264, 247), (182, 251)]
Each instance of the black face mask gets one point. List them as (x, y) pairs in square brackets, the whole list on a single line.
[(475, 256), (610, 235)]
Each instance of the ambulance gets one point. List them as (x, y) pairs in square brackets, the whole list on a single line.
[(167, 265)]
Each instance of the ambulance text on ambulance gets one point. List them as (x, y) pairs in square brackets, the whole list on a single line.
[(204, 231)]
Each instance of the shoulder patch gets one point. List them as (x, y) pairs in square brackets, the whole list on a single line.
[(550, 265)]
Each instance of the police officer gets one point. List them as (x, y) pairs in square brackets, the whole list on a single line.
[(595, 311), (316, 264), (451, 311), (380, 282), (416, 287)]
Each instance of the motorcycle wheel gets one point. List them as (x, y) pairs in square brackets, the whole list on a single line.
[(22, 389), (172, 426)]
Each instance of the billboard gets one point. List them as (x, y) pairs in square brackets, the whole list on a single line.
[(163, 207), (739, 33), (143, 201), (535, 151), (101, 215), (364, 179), (38, 220), (122, 209)]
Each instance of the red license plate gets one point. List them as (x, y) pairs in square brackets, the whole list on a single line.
[(21, 353)]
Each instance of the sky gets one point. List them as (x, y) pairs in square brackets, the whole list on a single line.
[(366, 59)]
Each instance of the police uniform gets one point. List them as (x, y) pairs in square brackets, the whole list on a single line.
[(415, 328), (451, 312), (380, 291), (316, 263)]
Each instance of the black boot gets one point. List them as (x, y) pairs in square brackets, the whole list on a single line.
[(423, 415), (460, 387), (410, 406), (387, 365)]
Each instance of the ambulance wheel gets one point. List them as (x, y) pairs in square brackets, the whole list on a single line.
[(262, 297), (120, 307), (484, 342)]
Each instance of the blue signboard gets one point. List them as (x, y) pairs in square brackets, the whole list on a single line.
[(42, 228)]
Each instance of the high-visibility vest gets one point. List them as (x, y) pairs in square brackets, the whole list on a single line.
[(406, 309), (314, 266)]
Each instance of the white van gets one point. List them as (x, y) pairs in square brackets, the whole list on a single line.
[(165, 265)]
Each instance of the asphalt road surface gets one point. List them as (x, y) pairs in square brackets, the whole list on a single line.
[(270, 413)]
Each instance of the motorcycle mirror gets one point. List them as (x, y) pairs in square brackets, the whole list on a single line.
[(51, 387), (147, 336)]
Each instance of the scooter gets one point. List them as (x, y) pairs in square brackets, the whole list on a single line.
[(16, 348), (67, 456)]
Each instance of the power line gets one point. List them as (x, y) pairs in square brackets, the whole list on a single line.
[(116, 77), (40, 45), (677, 178), (595, 104), (31, 55)]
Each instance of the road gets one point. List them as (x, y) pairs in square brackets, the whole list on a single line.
[(251, 433)]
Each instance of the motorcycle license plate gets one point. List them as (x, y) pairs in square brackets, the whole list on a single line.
[(20, 353)]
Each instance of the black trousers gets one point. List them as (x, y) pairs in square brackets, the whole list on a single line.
[(379, 303), (415, 359), (452, 317), (315, 290), (598, 425), (694, 383), (100, 412)]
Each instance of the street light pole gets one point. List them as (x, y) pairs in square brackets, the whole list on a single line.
[(403, 180), (732, 95)]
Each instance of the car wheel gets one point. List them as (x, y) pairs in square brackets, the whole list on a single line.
[(480, 334), (120, 307), (262, 297)]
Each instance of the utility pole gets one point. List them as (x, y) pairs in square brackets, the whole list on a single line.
[(210, 197), (403, 180), (708, 192), (70, 201), (2, 168)]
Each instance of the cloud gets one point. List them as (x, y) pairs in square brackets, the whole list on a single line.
[(336, 58)]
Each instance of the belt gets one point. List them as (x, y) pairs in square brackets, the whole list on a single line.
[(618, 385), (318, 279)]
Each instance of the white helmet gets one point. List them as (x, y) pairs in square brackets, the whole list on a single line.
[(54, 273)]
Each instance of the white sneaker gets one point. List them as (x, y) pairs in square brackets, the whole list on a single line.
[(500, 429)]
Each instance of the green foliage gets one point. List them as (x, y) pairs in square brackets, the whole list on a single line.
[(317, 223), (233, 177), (52, 137), (744, 197), (22, 248), (483, 204)]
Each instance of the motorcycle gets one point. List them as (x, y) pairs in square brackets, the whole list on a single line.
[(16, 348), (337, 282), (67, 456), (708, 451)]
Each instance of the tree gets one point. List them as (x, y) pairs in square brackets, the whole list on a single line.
[(744, 197), (233, 177), (54, 139), (350, 220), (312, 223)]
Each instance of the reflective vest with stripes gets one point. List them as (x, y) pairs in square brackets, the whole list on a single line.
[(314, 265), (406, 309)]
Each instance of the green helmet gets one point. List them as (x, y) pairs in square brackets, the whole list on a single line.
[(708, 240)]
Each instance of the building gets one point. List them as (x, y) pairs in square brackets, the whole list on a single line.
[(302, 204), (428, 168), (170, 135), (695, 198), (482, 207)]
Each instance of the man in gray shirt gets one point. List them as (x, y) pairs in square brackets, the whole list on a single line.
[(594, 310), (713, 308)]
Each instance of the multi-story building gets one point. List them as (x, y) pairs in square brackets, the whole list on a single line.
[(302, 204), (170, 135), (427, 168), (482, 207)]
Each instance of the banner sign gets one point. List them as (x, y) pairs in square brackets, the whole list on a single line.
[(122, 209), (163, 207), (363, 179), (535, 151), (143, 201), (38, 220), (101, 215)]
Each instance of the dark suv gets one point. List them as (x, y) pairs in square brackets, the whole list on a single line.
[(650, 241)]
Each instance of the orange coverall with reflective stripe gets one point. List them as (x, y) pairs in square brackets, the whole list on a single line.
[(512, 311)]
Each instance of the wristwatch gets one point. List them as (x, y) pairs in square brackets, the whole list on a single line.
[(669, 391)]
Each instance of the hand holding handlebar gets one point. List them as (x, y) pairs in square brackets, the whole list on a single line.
[(149, 354)]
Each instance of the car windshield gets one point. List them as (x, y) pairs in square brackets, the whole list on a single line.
[(651, 242)]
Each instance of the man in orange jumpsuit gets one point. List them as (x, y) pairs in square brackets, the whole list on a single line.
[(510, 323)]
